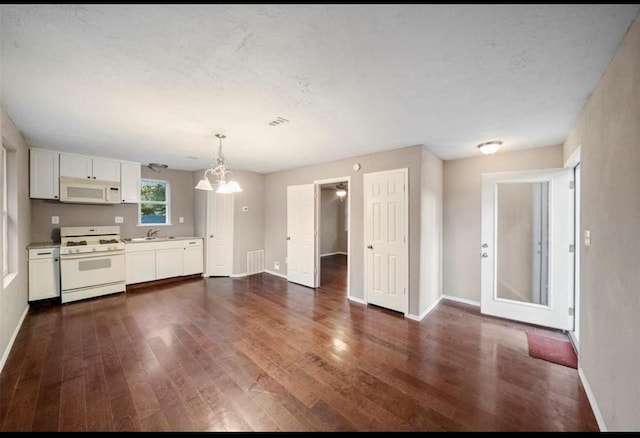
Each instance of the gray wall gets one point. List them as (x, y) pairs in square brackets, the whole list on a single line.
[(462, 212), (14, 298), (431, 231), (71, 215), (608, 128), (276, 211), (333, 236)]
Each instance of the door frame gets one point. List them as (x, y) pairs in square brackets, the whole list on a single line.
[(318, 183), (405, 172), (573, 162)]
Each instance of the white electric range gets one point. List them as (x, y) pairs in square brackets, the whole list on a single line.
[(91, 262)]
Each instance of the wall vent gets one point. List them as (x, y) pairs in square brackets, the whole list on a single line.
[(255, 261), (278, 121)]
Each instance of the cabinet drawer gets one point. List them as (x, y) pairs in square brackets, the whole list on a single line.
[(44, 253), (193, 242)]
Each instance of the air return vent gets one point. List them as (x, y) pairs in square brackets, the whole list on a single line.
[(255, 261), (278, 121)]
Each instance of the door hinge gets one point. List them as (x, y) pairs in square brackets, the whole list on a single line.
[(315, 270), (572, 184), (404, 290), (315, 194), (315, 232), (572, 247), (570, 311)]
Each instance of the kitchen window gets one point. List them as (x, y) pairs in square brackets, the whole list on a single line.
[(155, 206)]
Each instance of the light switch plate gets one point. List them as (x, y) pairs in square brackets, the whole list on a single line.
[(587, 237), (119, 220), (276, 265), (181, 220), (55, 219)]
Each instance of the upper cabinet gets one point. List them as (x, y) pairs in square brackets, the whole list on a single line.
[(130, 182), (44, 173), (46, 167), (82, 166)]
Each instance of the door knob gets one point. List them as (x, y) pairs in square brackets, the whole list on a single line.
[(370, 246), (211, 236), (288, 238), (484, 245), (484, 254)]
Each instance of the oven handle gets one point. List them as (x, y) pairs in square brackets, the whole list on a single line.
[(90, 255)]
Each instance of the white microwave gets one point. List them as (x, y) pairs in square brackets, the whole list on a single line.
[(89, 191)]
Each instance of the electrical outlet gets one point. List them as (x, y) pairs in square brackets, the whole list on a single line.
[(276, 266), (119, 220), (181, 220), (587, 238), (55, 219)]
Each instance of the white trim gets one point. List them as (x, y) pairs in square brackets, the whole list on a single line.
[(277, 274), (592, 401), (574, 159), (357, 300), (461, 300), (244, 274), (427, 310), (318, 189), (333, 253), (7, 350)]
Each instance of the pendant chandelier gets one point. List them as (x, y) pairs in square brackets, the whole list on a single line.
[(219, 169), (341, 191)]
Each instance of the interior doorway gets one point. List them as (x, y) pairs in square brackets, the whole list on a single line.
[(333, 207)]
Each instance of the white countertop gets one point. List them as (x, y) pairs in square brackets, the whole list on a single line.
[(158, 239)]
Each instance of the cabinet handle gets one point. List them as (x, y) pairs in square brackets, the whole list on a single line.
[(370, 246), (94, 177), (55, 196), (88, 177), (55, 260)]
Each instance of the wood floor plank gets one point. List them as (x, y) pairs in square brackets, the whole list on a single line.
[(261, 354)]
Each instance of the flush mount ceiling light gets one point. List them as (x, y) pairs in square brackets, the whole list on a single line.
[(219, 169), (157, 167), (341, 190), (490, 147)]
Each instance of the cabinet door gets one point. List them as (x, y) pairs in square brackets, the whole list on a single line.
[(140, 266), (44, 278), (168, 263), (106, 170), (44, 172), (192, 260), (76, 166), (130, 182)]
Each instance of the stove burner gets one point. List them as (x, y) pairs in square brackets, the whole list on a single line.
[(81, 242), (103, 241)]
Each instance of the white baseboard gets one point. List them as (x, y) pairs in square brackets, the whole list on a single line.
[(238, 275), (357, 300), (277, 274), (333, 253), (461, 300), (592, 401), (7, 350), (426, 311)]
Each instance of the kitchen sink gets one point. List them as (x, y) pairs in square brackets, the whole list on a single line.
[(146, 239)]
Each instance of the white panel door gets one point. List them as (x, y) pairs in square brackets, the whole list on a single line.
[(526, 259), (219, 238), (301, 230), (385, 238)]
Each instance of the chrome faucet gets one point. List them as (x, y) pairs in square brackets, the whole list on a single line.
[(152, 233)]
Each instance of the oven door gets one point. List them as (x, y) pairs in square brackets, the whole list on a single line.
[(88, 270)]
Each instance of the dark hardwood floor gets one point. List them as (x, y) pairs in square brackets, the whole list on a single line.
[(260, 354)]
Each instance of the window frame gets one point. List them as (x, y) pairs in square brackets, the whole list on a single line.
[(166, 202)]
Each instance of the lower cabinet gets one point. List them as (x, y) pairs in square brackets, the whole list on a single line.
[(148, 261), (44, 273)]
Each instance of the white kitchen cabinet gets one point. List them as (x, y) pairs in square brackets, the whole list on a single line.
[(130, 182), (44, 168), (192, 258), (44, 273), (159, 259), (168, 262), (140, 266), (82, 166)]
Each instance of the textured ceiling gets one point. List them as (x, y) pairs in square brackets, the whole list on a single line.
[(154, 83)]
